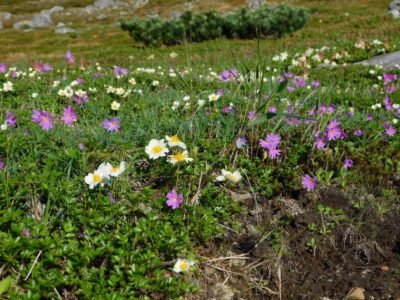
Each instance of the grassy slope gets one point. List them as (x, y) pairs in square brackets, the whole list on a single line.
[(334, 22)]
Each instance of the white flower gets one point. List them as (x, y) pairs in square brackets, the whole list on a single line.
[(118, 170), (173, 54), (155, 83), (7, 86), (182, 265), (115, 105), (132, 81), (34, 95), (201, 102), (395, 121), (156, 149), (174, 141), (186, 98), (179, 157), (105, 169), (213, 97), (95, 178), (396, 106), (234, 177), (56, 83), (3, 126)]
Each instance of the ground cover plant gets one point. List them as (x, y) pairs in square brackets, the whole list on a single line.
[(266, 21)]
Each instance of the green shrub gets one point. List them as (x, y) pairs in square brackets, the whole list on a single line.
[(243, 24)]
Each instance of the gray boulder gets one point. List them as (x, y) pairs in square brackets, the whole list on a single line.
[(394, 9), (63, 29), (39, 20), (387, 61), (5, 16), (255, 4)]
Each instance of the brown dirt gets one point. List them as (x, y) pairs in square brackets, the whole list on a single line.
[(362, 250)]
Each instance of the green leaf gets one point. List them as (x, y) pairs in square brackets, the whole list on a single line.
[(6, 284)]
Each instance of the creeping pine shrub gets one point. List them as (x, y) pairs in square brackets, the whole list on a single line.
[(243, 24)]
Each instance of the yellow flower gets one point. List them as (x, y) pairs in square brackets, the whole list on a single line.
[(179, 157), (174, 141)]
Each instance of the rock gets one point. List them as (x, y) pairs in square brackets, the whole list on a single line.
[(356, 293), (222, 292), (255, 4), (135, 4), (39, 20), (5, 16), (175, 14), (64, 30), (387, 61), (101, 4), (21, 25), (394, 9)]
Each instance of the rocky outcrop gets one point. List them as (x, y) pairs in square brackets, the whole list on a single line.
[(387, 61), (394, 9), (39, 20)]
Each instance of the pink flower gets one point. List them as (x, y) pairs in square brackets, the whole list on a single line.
[(274, 153), (11, 120), (69, 116), (320, 143), (43, 118), (272, 141), (358, 132), (70, 58), (308, 182), (251, 115), (241, 142), (111, 124), (390, 130), (388, 78), (174, 200), (347, 164)]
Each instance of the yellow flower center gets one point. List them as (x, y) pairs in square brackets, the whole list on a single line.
[(179, 156), (97, 178), (157, 149), (184, 266), (46, 119), (175, 139), (232, 177), (115, 169)]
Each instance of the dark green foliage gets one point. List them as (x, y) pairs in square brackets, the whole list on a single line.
[(243, 24)]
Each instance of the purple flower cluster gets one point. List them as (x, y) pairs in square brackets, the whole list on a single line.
[(11, 120), (120, 72), (3, 68), (80, 100), (70, 58), (271, 144), (227, 75), (41, 68)]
